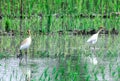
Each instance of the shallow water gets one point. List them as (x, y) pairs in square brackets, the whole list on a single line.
[(59, 58), (10, 70)]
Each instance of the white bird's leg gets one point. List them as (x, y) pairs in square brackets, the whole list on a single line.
[(93, 51), (94, 48), (20, 56), (26, 56), (89, 47)]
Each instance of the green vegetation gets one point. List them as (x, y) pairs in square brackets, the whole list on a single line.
[(46, 7), (55, 15), (4, 55), (71, 51)]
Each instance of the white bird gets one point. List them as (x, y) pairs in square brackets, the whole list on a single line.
[(94, 37), (25, 45), (93, 40)]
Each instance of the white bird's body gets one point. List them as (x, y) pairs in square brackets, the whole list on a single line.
[(93, 39), (26, 43)]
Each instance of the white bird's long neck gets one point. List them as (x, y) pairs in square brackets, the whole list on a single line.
[(30, 36), (29, 33), (99, 31)]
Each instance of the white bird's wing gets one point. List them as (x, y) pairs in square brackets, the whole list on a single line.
[(24, 41), (25, 44), (92, 38)]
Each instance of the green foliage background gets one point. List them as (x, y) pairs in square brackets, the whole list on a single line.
[(55, 15)]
